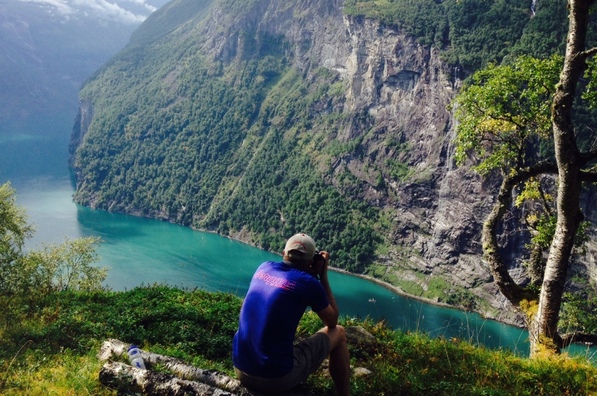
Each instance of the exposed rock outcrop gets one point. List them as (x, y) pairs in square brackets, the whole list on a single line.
[(404, 164)]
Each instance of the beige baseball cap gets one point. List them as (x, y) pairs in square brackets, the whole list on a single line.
[(302, 243)]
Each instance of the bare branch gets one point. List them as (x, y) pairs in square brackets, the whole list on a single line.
[(122, 377), (182, 379), (579, 338), (588, 53), (203, 378)]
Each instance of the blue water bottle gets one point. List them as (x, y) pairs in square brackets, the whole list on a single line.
[(135, 357)]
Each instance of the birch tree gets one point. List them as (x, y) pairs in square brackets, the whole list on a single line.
[(572, 172), (517, 119)]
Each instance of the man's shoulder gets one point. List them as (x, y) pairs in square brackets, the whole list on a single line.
[(287, 271), (270, 264)]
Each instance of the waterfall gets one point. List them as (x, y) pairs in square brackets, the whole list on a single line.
[(533, 6)]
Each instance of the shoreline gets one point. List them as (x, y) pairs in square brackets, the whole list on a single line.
[(241, 237), (384, 284), (394, 289), (401, 293)]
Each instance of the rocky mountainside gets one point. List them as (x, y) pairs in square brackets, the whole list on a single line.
[(307, 98)]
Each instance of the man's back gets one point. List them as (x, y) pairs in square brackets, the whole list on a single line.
[(264, 354), (276, 300)]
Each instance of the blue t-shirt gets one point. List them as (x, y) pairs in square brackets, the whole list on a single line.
[(277, 298)]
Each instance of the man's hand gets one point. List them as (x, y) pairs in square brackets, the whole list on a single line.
[(324, 270), (330, 314)]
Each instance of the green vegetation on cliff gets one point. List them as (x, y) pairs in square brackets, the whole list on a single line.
[(227, 147), (472, 33)]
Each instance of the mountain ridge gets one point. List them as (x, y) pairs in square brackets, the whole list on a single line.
[(49, 49)]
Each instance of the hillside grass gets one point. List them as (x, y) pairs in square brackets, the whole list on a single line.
[(53, 350)]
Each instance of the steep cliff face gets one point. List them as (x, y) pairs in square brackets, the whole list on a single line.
[(400, 92), (437, 209), (391, 99), (82, 121)]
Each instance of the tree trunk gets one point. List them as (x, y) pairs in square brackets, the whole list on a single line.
[(544, 336), (116, 348), (187, 380), (127, 378)]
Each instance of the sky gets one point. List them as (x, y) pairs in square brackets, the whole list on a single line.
[(123, 11)]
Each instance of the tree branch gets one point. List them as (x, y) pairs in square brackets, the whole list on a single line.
[(116, 348), (588, 53), (127, 378), (579, 338), (508, 287), (186, 381)]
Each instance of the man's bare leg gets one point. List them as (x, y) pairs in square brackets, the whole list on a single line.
[(339, 359)]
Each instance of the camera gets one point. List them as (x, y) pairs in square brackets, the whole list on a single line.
[(318, 265)]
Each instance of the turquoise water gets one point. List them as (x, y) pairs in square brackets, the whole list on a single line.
[(143, 251)]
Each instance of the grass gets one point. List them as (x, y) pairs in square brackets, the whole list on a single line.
[(53, 350)]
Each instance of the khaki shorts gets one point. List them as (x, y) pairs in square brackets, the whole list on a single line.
[(308, 356)]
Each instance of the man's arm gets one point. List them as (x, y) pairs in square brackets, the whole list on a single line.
[(329, 315)]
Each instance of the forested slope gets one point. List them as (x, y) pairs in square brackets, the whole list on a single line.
[(256, 120), (217, 145)]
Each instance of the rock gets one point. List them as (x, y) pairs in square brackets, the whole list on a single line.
[(358, 335), (360, 372)]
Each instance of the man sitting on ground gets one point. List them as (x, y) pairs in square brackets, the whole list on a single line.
[(264, 355)]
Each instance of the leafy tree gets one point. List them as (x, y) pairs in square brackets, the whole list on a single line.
[(518, 120), (574, 168), (14, 231), (26, 277), (63, 267), (504, 114)]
